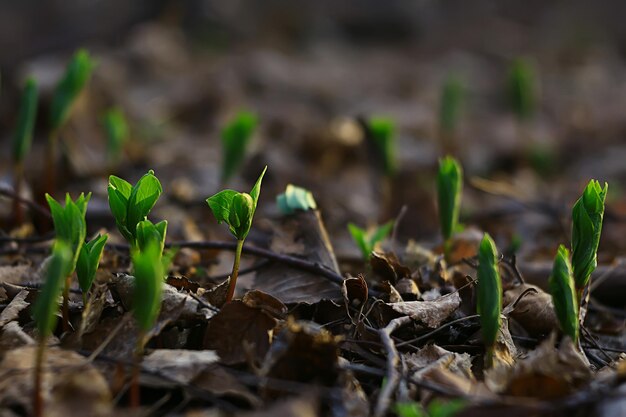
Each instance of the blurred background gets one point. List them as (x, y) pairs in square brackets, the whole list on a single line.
[(310, 70)]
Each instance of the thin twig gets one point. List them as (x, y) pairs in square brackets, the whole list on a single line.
[(7, 192)]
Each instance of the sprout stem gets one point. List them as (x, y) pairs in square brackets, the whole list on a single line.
[(135, 398), (66, 308), (37, 397), (235, 273)]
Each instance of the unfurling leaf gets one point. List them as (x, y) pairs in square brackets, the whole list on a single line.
[(235, 139), (88, 261), (382, 132), (489, 303), (367, 240), (449, 190), (587, 216), (47, 303), (25, 121), (295, 198), (149, 233), (561, 283), (149, 273)]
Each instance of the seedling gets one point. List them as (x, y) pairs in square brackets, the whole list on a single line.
[(382, 132), (149, 233), (70, 227), (522, 89), (436, 408), (587, 216), (117, 133), (88, 262), (68, 88), (295, 198), (489, 303), (45, 312), (450, 109), (131, 204), (236, 137), (236, 210), (561, 283), (22, 141), (449, 190), (368, 240)]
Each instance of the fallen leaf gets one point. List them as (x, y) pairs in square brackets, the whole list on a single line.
[(12, 311), (430, 313), (178, 365), (432, 356), (534, 311), (354, 291), (12, 336), (303, 406)]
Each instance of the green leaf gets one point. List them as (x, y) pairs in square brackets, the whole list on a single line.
[(522, 89), (220, 204), (148, 233), (88, 261), (367, 240), (47, 303), (561, 283), (69, 223), (149, 273), (71, 84), (295, 198), (489, 303), (25, 121), (449, 190), (409, 409), (382, 132), (143, 198), (451, 104), (236, 136), (117, 132), (587, 217)]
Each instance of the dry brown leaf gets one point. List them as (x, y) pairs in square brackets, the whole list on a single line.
[(219, 381), (17, 274), (12, 336), (430, 313), (534, 311), (178, 365), (12, 311), (304, 406), (388, 267), (354, 290), (432, 356)]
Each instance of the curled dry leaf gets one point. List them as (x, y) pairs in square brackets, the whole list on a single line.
[(388, 266), (429, 313), (354, 290), (534, 311), (432, 356), (12, 311)]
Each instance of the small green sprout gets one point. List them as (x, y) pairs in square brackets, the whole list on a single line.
[(382, 132), (148, 233), (489, 303), (587, 216), (236, 137), (561, 283), (522, 89), (368, 240), (45, 311), (436, 408), (23, 139), (132, 204), (451, 104), (117, 133), (88, 262), (449, 191), (295, 198), (237, 211)]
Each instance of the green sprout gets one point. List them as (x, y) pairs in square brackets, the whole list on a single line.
[(382, 132), (131, 204), (368, 240), (236, 210), (148, 233), (88, 262), (587, 216), (117, 133), (45, 311), (22, 140), (70, 227), (522, 89), (295, 198), (451, 104), (489, 303), (436, 408), (449, 190), (561, 283), (236, 137)]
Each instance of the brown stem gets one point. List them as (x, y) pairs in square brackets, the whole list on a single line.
[(66, 307), (235, 273), (18, 210), (37, 397), (135, 395)]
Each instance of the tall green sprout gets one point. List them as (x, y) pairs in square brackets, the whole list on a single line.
[(449, 191), (88, 262), (587, 215), (522, 89), (236, 137), (561, 283), (382, 132), (489, 303)]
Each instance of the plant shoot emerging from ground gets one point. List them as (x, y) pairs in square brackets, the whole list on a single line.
[(131, 204), (45, 310), (236, 137), (449, 191), (88, 262), (522, 89), (587, 216), (295, 198), (368, 240), (22, 140), (382, 132), (117, 133), (489, 303), (561, 283), (237, 211)]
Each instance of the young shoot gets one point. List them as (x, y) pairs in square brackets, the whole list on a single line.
[(22, 141), (88, 262), (522, 89), (70, 227), (489, 303), (236, 210), (295, 198), (587, 216), (117, 133), (382, 132), (131, 204), (449, 191), (236, 137), (149, 233), (561, 283), (368, 240), (450, 108), (45, 312)]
